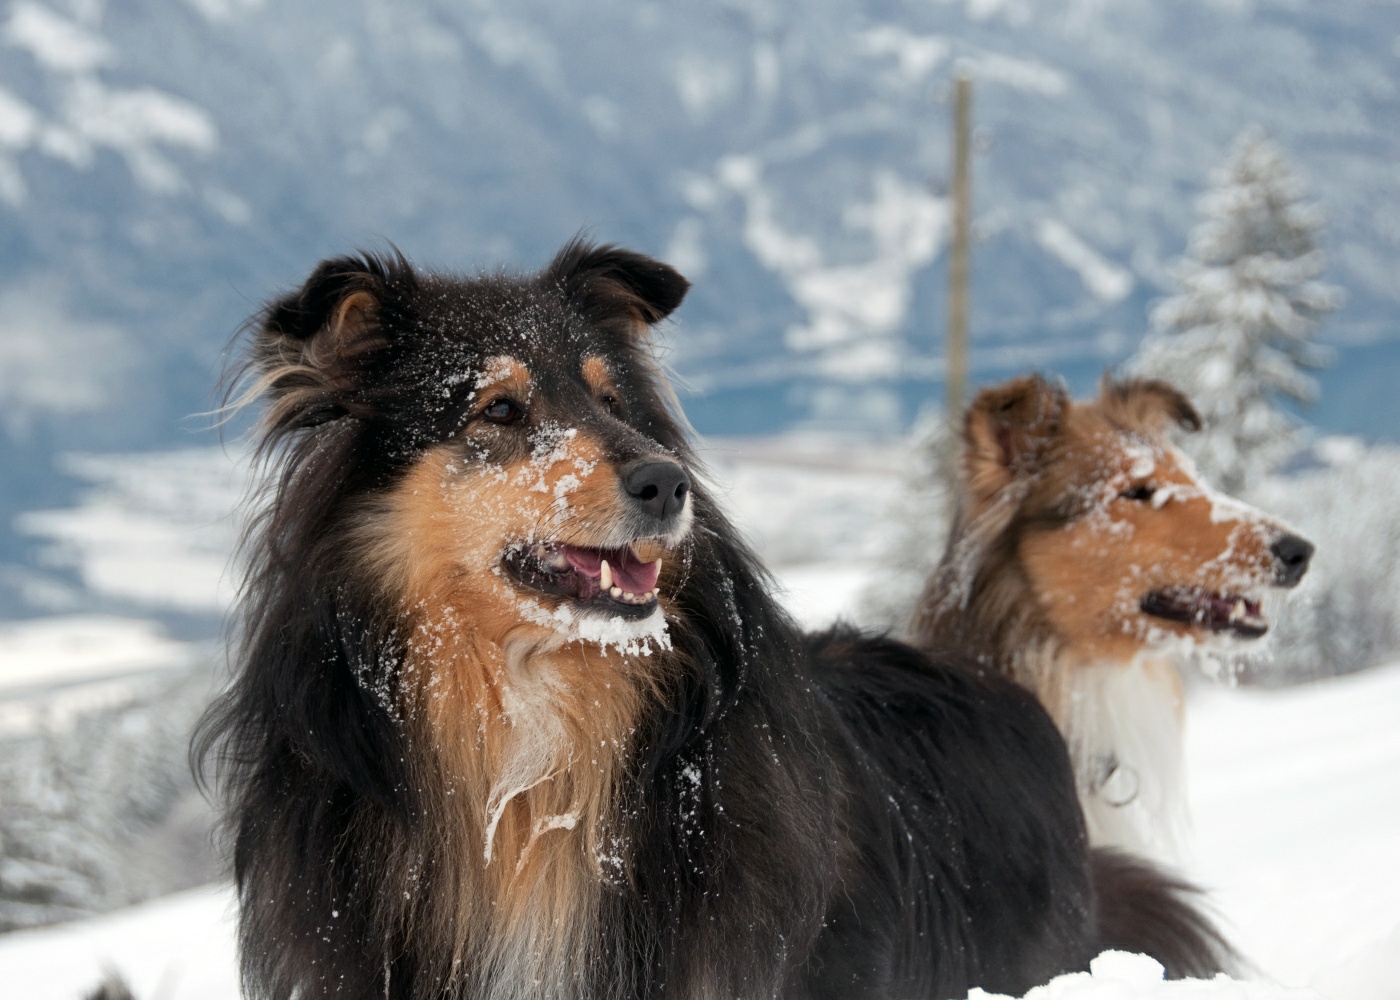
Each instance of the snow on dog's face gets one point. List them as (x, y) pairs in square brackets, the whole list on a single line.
[(1119, 541), (523, 465), (546, 509)]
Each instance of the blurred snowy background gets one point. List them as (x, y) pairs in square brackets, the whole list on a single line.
[(166, 165)]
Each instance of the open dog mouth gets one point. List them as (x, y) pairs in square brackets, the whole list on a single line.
[(1240, 616), (615, 580)]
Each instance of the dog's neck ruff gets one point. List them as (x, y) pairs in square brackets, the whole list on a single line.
[(526, 759), (1123, 725)]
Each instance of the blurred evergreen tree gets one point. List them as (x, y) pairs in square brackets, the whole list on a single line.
[(1237, 335)]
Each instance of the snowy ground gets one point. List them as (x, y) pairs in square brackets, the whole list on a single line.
[(1296, 795), (1296, 792)]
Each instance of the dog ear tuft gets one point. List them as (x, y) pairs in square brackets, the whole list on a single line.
[(333, 315), (310, 346), (606, 283), (1007, 431), (1147, 404)]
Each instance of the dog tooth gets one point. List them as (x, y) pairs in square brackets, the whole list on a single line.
[(605, 580), (615, 591), (628, 595), (1239, 611)]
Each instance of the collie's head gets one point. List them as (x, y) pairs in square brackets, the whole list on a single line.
[(500, 444), (1081, 525)]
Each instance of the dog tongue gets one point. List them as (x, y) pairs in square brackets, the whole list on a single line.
[(627, 572)]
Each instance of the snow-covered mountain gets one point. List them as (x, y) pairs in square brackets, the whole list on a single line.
[(165, 165)]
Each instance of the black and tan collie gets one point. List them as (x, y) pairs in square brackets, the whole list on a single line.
[(516, 715), (1085, 554)]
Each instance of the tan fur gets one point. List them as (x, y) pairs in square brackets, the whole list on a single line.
[(595, 373), (1049, 560), (286, 371), (526, 731)]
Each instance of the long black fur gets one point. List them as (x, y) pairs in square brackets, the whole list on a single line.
[(113, 987), (806, 816)]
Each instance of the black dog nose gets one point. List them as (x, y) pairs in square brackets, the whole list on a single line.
[(660, 486), (1293, 555)]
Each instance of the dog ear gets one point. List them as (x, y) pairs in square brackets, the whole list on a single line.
[(1147, 404), (607, 284), (310, 346), (1007, 431)]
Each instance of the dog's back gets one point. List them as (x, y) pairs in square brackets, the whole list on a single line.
[(961, 809), (962, 816)]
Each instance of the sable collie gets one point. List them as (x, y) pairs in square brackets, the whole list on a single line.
[(1084, 553), (516, 715)]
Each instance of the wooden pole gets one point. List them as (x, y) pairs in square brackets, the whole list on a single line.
[(958, 257)]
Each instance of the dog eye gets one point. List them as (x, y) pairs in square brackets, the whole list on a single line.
[(503, 411), (1141, 492), (611, 401)]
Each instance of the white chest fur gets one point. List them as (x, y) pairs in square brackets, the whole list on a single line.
[(1123, 724)]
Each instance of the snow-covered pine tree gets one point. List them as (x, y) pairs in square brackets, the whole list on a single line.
[(1237, 335)]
